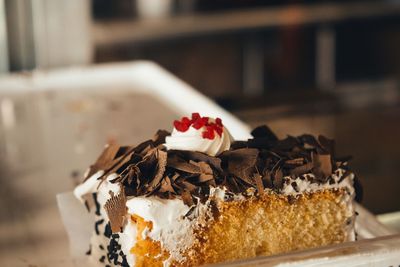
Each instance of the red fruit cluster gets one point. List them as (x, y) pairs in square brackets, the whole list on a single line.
[(198, 122)]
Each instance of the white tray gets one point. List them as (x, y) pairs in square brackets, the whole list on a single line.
[(46, 96)]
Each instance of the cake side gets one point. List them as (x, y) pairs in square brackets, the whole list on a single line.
[(157, 204), (272, 224)]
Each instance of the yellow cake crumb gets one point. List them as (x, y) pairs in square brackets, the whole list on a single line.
[(147, 251)]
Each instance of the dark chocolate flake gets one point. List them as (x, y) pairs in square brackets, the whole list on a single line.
[(259, 183), (322, 166), (264, 132), (159, 137), (294, 162), (179, 164), (303, 169), (89, 252), (241, 163), (295, 187), (97, 204), (327, 144), (187, 198), (160, 169), (278, 179), (166, 186), (309, 141), (105, 160), (267, 180), (96, 226), (291, 199), (102, 259)]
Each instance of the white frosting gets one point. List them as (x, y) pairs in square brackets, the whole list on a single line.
[(193, 140), (127, 240), (103, 189), (89, 186), (304, 185)]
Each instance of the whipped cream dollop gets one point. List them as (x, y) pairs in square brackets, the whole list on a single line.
[(200, 134)]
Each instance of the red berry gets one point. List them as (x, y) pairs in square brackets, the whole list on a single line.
[(181, 127), (186, 120), (218, 130), (209, 133), (195, 116), (200, 123)]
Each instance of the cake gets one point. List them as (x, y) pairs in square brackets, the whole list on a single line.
[(195, 196)]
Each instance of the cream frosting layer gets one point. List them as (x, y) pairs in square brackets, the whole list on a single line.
[(193, 140)]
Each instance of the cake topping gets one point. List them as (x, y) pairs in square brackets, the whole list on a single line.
[(208, 126), (202, 134), (188, 170), (116, 210)]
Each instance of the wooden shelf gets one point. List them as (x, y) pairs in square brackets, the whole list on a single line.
[(135, 31)]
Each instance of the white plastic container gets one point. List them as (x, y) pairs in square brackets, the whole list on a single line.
[(55, 123)]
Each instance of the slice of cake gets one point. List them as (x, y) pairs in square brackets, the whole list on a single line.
[(194, 197)]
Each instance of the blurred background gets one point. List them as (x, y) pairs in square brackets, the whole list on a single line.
[(314, 66)]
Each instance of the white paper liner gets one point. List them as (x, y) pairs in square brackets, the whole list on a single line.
[(78, 223)]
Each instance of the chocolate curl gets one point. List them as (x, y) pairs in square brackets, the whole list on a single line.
[(259, 183), (322, 166), (241, 163), (116, 211), (187, 198), (161, 157), (105, 160)]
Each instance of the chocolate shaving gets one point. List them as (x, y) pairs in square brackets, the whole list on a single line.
[(161, 156), (327, 144), (214, 162), (291, 199), (264, 132), (239, 144), (259, 183), (89, 200), (278, 179), (322, 166), (166, 186), (159, 137), (309, 141), (187, 186), (105, 160), (116, 210), (295, 162), (180, 164), (302, 169), (187, 198), (286, 144), (241, 162), (267, 180), (204, 177), (261, 162), (295, 187)]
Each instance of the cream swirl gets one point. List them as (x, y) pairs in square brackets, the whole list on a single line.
[(192, 139)]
